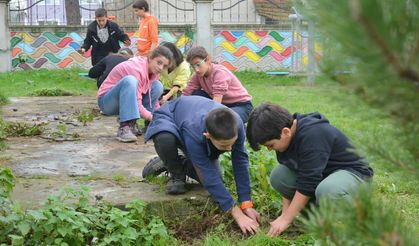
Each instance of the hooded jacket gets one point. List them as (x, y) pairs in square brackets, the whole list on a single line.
[(317, 150), (137, 67), (185, 118)]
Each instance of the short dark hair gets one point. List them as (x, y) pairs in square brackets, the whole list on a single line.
[(162, 51), (266, 123), (125, 51), (177, 54), (221, 124), (197, 51), (101, 12), (141, 4)]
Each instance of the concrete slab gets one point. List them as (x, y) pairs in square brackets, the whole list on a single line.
[(94, 158)]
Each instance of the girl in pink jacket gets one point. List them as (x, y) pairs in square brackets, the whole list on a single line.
[(132, 89)]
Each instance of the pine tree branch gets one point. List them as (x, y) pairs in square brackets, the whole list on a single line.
[(414, 53), (404, 72)]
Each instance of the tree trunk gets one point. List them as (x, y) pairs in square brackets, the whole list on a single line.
[(72, 10)]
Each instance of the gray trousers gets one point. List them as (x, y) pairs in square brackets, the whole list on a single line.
[(337, 185)]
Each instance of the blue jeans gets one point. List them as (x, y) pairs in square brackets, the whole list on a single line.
[(156, 92), (122, 99), (242, 109)]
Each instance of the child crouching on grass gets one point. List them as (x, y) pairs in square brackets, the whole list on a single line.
[(316, 159)]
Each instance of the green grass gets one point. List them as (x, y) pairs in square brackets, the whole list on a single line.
[(378, 136), (24, 83)]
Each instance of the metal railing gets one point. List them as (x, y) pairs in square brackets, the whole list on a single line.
[(234, 12), (53, 12), (170, 12)]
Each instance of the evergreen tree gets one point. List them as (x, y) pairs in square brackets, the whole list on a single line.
[(366, 220), (377, 42)]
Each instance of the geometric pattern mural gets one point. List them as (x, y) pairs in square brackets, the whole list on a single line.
[(47, 50), (261, 50), (59, 50), (237, 50)]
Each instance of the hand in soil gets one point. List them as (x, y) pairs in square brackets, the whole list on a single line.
[(245, 223), (252, 213), (278, 226)]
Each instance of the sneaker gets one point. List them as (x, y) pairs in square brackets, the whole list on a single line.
[(146, 123), (176, 186), (125, 134), (154, 167), (135, 130)]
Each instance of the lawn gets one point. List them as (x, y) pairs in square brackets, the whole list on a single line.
[(376, 135)]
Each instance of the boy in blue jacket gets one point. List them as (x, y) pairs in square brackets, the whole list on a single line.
[(316, 159), (203, 129)]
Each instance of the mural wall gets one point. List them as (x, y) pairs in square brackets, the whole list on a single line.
[(59, 50), (237, 50), (262, 50)]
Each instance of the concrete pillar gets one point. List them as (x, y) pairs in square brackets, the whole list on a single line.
[(204, 32), (311, 54), (5, 51)]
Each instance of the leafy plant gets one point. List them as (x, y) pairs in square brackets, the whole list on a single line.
[(85, 116), (50, 92), (19, 129), (266, 200), (3, 99), (69, 219)]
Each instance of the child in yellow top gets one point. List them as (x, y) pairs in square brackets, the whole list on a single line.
[(175, 78)]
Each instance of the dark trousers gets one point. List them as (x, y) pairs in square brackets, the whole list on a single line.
[(167, 147), (243, 109)]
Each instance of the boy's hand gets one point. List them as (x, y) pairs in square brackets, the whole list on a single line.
[(81, 51), (245, 223), (127, 42), (278, 226), (163, 100), (252, 213)]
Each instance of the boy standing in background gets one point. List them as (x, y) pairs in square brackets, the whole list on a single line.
[(103, 36)]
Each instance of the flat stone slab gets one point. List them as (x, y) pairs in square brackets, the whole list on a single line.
[(82, 154)]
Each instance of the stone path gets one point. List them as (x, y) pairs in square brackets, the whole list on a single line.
[(71, 154)]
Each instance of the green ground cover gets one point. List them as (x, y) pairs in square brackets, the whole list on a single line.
[(376, 135)]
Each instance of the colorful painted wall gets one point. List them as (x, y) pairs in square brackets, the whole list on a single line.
[(237, 50), (59, 50), (262, 50)]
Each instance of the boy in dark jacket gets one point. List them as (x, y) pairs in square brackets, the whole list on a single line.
[(103, 36), (316, 159), (203, 129), (102, 69)]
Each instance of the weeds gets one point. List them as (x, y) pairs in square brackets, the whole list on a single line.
[(69, 219), (19, 129), (3, 99), (46, 92), (85, 116)]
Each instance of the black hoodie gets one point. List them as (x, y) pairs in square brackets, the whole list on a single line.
[(317, 150), (99, 49)]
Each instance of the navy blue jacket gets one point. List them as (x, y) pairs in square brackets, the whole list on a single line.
[(185, 118), (317, 150)]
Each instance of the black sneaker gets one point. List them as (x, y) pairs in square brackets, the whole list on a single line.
[(135, 130), (176, 186), (154, 167)]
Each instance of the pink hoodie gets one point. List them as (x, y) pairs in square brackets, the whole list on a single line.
[(220, 82), (137, 67)]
